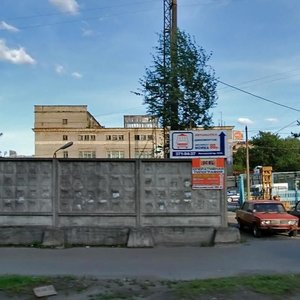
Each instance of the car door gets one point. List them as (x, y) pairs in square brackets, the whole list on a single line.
[(296, 211), (247, 212)]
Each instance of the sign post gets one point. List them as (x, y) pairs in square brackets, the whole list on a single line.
[(201, 143), (208, 150), (208, 173)]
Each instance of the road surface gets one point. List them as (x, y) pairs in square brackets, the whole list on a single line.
[(278, 254)]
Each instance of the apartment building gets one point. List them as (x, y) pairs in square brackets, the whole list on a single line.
[(56, 125)]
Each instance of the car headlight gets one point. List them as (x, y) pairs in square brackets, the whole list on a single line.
[(265, 222), (292, 222)]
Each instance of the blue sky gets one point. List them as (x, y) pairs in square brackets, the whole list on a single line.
[(93, 53)]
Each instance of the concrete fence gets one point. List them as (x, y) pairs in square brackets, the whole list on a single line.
[(137, 203)]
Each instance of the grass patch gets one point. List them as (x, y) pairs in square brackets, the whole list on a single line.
[(272, 285), (111, 296), (199, 287), (263, 284), (16, 283), (269, 285)]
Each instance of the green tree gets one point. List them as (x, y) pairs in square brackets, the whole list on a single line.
[(239, 160), (268, 149), (181, 92), (265, 150), (295, 134), (290, 160)]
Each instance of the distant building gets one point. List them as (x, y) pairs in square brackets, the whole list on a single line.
[(56, 125), (141, 136), (143, 121)]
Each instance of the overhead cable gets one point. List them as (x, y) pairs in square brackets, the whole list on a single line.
[(259, 97)]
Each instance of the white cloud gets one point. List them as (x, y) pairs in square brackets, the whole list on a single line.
[(76, 75), (5, 26), (59, 69), (245, 121), (87, 32), (15, 56), (67, 6), (271, 120)]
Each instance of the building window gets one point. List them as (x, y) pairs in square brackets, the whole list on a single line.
[(86, 137), (65, 121), (115, 137), (65, 137), (143, 154), (143, 137), (115, 154), (87, 154), (66, 154)]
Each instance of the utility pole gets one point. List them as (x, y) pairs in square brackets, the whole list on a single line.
[(170, 59), (247, 165)]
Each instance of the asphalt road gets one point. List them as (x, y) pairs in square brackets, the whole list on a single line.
[(271, 254)]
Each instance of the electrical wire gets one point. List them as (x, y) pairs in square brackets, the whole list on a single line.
[(77, 20), (259, 97), (263, 81), (286, 126), (81, 10)]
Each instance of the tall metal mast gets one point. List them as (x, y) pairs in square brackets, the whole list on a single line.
[(169, 59), (170, 26)]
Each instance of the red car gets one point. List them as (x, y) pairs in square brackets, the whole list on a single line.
[(266, 215), (296, 211)]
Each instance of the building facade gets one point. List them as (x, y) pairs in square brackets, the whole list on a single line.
[(57, 125)]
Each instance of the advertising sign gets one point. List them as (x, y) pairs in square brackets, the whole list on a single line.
[(208, 173), (198, 143), (238, 135)]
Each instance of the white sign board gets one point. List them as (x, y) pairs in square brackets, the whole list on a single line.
[(198, 143)]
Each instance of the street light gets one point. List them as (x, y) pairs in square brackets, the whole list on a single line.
[(65, 146)]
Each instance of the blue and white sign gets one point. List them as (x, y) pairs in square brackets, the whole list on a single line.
[(200, 143)]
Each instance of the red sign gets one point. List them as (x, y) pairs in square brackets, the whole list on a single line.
[(208, 173)]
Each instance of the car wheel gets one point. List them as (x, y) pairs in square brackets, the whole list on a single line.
[(241, 225), (293, 233), (256, 231)]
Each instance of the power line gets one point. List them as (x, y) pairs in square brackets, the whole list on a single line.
[(77, 20), (264, 81), (286, 126), (81, 10), (259, 97)]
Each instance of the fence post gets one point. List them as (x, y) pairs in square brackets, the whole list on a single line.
[(138, 192), (54, 192)]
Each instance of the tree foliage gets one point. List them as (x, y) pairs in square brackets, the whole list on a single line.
[(295, 134), (268, 149), (181, 92), (239, 160)]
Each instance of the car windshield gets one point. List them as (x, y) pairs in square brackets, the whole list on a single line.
[(269, 207)]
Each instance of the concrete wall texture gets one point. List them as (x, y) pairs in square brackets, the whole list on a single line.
[(79, 196)]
